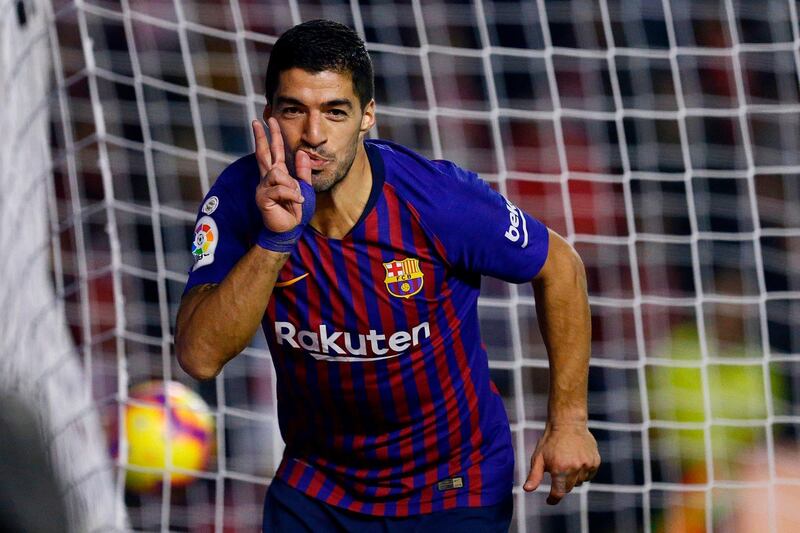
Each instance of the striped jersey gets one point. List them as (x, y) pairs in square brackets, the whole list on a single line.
[(384, 397)]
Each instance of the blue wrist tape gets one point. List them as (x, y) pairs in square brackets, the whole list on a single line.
[(284, 242)]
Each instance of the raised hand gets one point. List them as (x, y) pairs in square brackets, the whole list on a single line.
[(569, 453), (278, 195)]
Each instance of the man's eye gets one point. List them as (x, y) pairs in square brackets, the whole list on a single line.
[(338, 113), (291, 111)]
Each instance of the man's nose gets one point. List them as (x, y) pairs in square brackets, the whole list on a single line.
[(313, 134)]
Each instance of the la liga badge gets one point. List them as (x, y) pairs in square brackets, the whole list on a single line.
[(404, 278), (206, 237)]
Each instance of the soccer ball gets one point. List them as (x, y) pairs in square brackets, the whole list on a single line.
[(187, 426)]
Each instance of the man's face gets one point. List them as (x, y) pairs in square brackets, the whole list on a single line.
[(320, 114)]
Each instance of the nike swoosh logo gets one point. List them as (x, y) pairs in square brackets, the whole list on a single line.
[(290, 281)]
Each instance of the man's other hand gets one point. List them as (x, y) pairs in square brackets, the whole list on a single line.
[(569, 453)]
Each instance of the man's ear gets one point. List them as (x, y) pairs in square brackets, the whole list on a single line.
[(267, 112), (368, 117)]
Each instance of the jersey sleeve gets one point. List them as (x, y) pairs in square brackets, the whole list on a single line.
[(481, 231), (220, 237)]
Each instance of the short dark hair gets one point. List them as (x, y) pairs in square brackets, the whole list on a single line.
[(319, 45)]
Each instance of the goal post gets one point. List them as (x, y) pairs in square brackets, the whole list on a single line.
[(40, 367), (659, 137)]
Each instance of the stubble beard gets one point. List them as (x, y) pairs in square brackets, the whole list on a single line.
[(324, 182)]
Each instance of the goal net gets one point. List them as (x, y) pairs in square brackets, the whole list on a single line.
[(42, 372), (662, 138)]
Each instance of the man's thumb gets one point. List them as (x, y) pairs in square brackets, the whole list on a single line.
[(302, 165), (536, 473)]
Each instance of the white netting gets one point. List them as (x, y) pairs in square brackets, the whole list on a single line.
[(38, 362), (661, 137)]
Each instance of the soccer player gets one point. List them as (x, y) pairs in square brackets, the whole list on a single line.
[(361, 260)]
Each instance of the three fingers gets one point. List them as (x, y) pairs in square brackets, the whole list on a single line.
[(270, 153), (561, 482), (277, 187)]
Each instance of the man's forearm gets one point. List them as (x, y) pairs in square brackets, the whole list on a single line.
[(562, 307), (215, 323), (567, 450)]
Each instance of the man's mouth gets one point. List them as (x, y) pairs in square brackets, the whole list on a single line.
[(317, 162)]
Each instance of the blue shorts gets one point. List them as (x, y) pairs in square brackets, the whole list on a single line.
[(287, 510)]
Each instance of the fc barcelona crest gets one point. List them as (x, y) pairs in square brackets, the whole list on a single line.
[(403, 278)]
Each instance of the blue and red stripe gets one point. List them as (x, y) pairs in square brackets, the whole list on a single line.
[(379, 434)]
